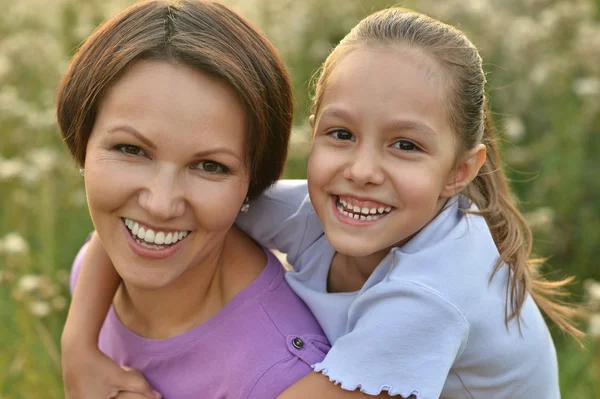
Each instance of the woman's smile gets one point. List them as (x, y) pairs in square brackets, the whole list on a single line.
[(153, 243)]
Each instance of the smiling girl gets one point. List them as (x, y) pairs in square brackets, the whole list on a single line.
[(408, 248)]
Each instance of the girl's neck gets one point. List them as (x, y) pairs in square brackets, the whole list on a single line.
[(349, 273), (197, 295)]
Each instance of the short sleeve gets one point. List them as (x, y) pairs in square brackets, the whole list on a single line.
[(76, 268), (286, 372), (403, 338), (282, 218)]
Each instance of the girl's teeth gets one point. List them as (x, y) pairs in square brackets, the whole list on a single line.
[(135, 229), (380, 209), (169, 238), (356, 209), (141, 233)]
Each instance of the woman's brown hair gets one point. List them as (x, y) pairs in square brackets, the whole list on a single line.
[(204, 35), (470, 119)]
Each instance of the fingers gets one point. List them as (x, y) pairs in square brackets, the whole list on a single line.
[(129, 380), (129, 395)]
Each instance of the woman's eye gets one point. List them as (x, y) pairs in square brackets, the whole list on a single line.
[(211, 167), (405, 145), (342, 135), (129, 149)]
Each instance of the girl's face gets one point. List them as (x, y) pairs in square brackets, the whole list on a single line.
[(165, 170), (381, 163)]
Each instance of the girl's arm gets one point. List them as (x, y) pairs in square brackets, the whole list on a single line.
[(318, 386), (87, 372)]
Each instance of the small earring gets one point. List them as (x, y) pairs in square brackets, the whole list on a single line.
[(245, 206), (81, 171)]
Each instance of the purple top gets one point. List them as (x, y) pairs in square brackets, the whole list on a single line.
[(258, 345)]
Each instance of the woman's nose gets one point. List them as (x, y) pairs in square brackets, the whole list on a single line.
[(163, 195)]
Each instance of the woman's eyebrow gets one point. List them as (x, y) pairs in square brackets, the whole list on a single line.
[(129, 129)]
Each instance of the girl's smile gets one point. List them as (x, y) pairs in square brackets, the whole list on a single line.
[(357, 212)]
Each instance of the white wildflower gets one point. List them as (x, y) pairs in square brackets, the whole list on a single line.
[(541, 218), (45, 159), (593, 291), (30, 175), (585, 87), (594, 327), (514, 128), (40, 308), (15, 244), (29, 283), (10, 168)]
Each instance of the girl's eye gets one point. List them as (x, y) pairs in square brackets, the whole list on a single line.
[(405, 145), (342, 135), (211, 167), (128, 149)]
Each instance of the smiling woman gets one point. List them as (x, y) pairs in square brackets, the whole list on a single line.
[(142, 164), (180, 112)]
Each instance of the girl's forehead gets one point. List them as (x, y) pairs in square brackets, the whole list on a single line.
[(384, 75)]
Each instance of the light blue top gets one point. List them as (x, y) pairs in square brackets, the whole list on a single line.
[(428, 321)]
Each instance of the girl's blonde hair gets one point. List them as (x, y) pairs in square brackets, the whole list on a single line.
[(470, 119)]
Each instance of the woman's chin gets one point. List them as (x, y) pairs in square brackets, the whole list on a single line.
[(146, 281)]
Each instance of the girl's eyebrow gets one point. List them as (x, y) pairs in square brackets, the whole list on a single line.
[(335, 112), (393, 126), (409, 124)]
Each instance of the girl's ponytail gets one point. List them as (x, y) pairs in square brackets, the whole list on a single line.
[(491, 192)]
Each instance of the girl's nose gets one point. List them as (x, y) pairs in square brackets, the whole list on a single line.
[(364, 168)]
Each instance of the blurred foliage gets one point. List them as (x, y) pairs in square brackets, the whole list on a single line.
[(543, 64)]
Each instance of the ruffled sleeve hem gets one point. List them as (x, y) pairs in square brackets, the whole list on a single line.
[(369, 389)]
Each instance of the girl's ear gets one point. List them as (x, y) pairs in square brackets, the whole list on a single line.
[(311, 121), (465, 172)]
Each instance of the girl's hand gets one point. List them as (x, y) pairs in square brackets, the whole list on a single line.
[(90, 374)]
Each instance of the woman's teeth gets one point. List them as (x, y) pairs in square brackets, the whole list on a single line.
[(147, 237), (357, 213)]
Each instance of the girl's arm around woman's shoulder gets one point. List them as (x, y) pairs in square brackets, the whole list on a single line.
[(403, 338), (282, 218), (318, 386)]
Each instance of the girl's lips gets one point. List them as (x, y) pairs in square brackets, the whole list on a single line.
[(150, 253)]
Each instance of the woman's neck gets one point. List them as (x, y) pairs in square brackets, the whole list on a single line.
[(197, 295)]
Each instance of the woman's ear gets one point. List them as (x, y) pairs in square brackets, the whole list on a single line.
[(465, 171), (311, 121)]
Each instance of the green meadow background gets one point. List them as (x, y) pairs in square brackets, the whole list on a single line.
[(543, 63)]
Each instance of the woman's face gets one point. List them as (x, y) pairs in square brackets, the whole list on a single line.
[(165, 170)]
